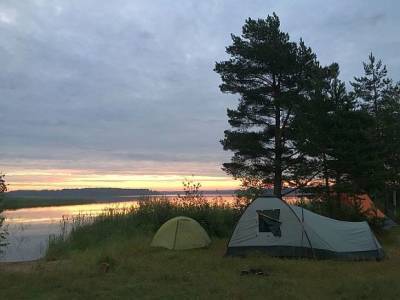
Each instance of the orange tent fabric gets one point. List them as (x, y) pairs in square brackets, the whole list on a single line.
[(366, 204)]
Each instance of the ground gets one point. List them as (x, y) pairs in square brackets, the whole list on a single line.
[(130, 269)]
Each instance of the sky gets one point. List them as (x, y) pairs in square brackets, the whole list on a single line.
[(122, 93)]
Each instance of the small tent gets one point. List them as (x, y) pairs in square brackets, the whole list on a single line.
[(364, 201), (272, 226), (181, 233), (368, 207)]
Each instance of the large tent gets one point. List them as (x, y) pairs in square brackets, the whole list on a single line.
[(272, 226)]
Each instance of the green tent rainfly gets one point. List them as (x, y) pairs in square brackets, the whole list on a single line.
[(181, 233)]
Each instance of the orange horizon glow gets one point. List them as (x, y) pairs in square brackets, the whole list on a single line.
[(63, 179)]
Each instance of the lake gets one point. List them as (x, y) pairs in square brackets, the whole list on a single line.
[(29, 228)]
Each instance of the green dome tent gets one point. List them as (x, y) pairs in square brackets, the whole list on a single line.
[(181, 233)]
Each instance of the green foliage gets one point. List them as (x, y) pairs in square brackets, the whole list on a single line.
[(374, 87), (217, 219), (380, 97), (351, 139), (3, 235), (3, 231), (142, 272), (336, 138), (192, 194), (296, 123), (3, 186), (82, 232), (251, 189), (86, 232), (273, 76)]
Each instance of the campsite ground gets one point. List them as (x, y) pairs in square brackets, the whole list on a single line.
[(130, 269)]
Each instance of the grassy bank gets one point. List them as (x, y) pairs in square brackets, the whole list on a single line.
[(111, 258), (115, 226)]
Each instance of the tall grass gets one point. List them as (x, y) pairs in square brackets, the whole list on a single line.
[(116, 225)]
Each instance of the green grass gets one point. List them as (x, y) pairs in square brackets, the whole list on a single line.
[(114, 226), (139, 271), (75, 267)]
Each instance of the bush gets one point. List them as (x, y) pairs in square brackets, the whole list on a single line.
[(216, 219), (3, 231)]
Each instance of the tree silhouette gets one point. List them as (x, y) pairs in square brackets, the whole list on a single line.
[(272, 76)]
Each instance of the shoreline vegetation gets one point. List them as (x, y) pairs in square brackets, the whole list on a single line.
[(217, 219), (44, 198), (110, 257)]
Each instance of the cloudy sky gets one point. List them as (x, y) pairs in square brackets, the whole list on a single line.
[(123, 93)]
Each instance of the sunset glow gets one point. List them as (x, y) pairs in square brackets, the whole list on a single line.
[(58, 179)]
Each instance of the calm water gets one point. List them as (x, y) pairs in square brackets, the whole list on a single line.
[(29, 228)]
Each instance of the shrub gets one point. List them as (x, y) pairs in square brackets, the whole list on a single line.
[(3, 230)]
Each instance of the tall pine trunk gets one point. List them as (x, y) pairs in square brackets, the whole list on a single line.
[(326, 180), (278, 153)]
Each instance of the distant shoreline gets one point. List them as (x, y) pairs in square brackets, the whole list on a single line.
[(32, 199)]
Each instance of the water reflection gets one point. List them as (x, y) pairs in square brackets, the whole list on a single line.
[(29, 228)]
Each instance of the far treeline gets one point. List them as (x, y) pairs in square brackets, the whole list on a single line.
[(83, 193), (298, 125)]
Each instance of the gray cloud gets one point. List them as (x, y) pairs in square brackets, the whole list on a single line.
[(85, 81)]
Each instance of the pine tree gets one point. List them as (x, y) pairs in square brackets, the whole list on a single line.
[(389, 139), (372, 88), (273, 76), (334, 134), (314, 123), (380, 97)]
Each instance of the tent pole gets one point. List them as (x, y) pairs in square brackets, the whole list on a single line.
[(302, 226), (176, 233)]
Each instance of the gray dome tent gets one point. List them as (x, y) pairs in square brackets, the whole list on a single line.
[(272, 226)]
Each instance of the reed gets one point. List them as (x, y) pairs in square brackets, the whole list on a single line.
[(115, 225)]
